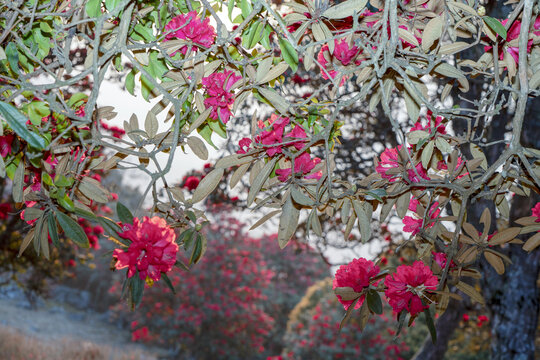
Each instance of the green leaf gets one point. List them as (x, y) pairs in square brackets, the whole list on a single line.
[(93, 8), (18, 183), (198, 250), (168, 282), (72, 229), (124, 214), (13, 57), (17, 122), (288, 222), (374, 302), (344, 9), (53, 231), (430, 325), (496, 26), (112, 4), (289, 54), (137, 289), (130, 82)]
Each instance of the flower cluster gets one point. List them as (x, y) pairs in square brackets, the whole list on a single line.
[(273, 139), (191, 28), (409, 288), (219, 95), (152, 250), (357, 275)]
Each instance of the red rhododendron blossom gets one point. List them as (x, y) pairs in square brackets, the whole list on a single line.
[(513, 34), (343, 52), (355, 275), (414, 224), (218, 86), (297, 133), (440, 128), (191, 183), (5, 144), (190, 27), (303, 164), (5, 209), (152, 250), (466, 317), (407, 287), (389, 167), (245, 145), (440, 258), (272, 139), (536, 211)]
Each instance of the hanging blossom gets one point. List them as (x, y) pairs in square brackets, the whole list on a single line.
[(303, 165), (536, 211), (437, 124), (343, 53), (414, 224), (357, 274), (390, 168), (191, 28), (408, 287), (513, 34), (274, 139), (5, 144), (152, 250), (220, 98)]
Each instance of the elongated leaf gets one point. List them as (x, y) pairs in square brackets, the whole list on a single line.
[(289, 54), (17, 122), (18, 183), (93, 190), (287, 222), (505, 236), (430, 325), (53, 231), (345, 9), (471, 292), (259, 181), (374, 302), (151, 124), (207, 185), (532, 243), (72, 229), (264, 219), (347, 293), (432, 32), (349, 313), (198, 147), (26, 241), (279, 102), (124, 214), (496, 26), (168, 282)]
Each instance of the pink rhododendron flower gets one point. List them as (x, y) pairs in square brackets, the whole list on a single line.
[(466, 317), (192, 182), (245, 145), (414, 224), (152, 250), (440, 128), (297, 133), (5, 144), (355, 275), (343, 53), (407, 287), (512, 34), (440, 258), (190, 27), (389, 167), (218, 86), (303, 164), (536, 212), (5, 209), (272, 139)]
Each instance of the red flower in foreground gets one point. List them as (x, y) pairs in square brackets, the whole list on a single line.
[(303, 164), (220, 97), (152, 249), (407, 287), (192, 182), (190, 27), (536, 211), (355, 275)]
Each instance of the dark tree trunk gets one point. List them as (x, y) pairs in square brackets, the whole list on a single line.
[(511, 298)]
